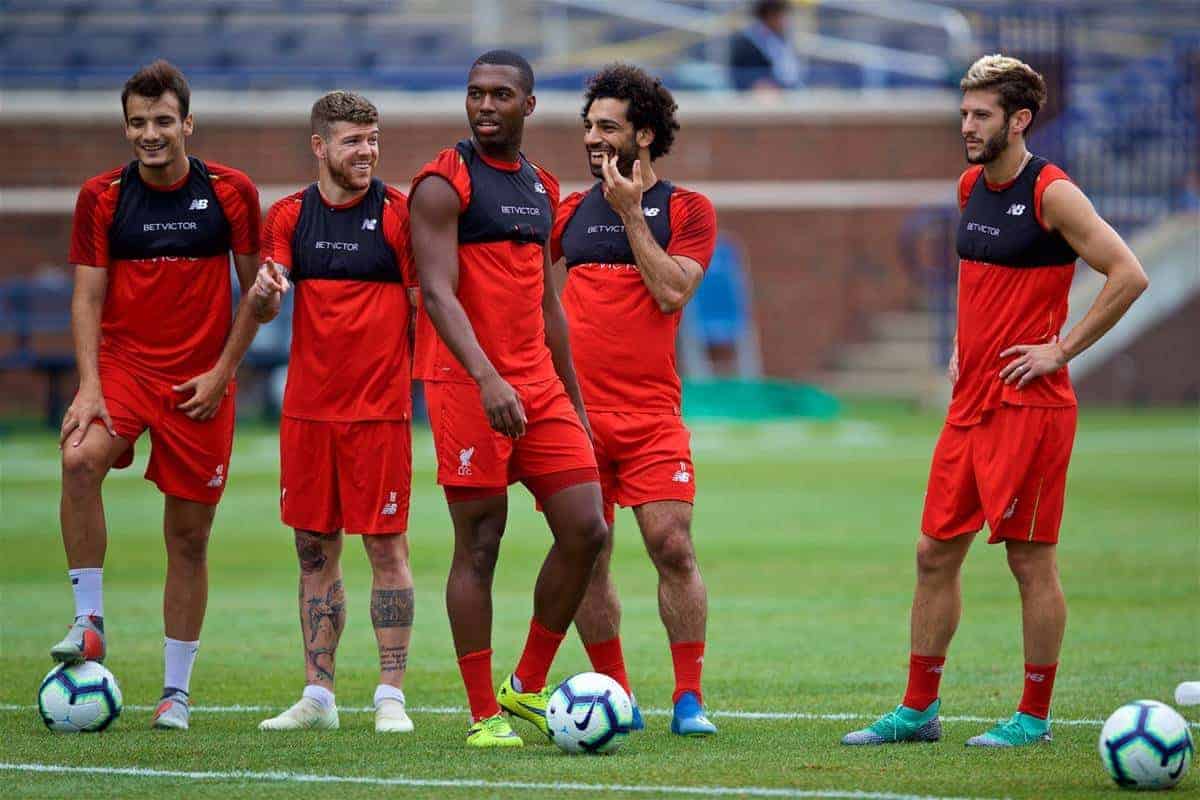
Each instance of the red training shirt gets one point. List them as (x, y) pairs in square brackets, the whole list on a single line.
[(500, 285), (350, 359)]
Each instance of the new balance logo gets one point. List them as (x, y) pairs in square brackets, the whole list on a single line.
[(391, 506), (539, 188), (198, 205), (464, 460), (651, 212), (1012, 509), (218, 478), (682, 476), (1036, 677), (1015, 210), (369, 224)]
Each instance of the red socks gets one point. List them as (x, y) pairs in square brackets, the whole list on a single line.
[(607, 659), (1039, 685), (540, 649), (689, 663), (924, 678), (476, 669)]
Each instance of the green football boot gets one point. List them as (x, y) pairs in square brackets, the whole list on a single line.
[(493, 732), (529, 706), (1020, 730), (902, 725)]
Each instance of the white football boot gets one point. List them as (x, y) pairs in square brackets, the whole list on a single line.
[(306, 714)]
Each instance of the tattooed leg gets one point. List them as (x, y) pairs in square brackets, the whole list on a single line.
[(322, 603), (391, 603)]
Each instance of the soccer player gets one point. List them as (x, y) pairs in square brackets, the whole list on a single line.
[(1002, 455), (503, 401), (156, 350), (632, 250), (345, 441)]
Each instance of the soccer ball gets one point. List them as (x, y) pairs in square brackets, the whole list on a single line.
[(589, 713), (1146, 745), (79, 698)]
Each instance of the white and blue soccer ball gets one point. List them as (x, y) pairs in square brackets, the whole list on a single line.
[(1146, 745), (78, 698), (589, 713)]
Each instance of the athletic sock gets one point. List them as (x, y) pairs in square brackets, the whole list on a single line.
[(385, 691), (179, 658), (323, 696), (1039, 685), (688, 658), (536, 658), (476, 669), (924, 681), (88, 585), (607, 659)]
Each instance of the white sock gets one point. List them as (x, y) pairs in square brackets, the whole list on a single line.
[(323, 696), (387, 692), (179, 657), (88, 585)]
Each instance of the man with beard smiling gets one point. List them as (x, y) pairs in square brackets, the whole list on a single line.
[(155, 350), (632, 251), (345, 440), (503, 400), (1003, 453)]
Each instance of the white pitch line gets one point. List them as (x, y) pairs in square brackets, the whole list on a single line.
[(468, 783), (844, 716)]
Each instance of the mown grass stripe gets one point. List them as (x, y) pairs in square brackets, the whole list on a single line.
[(842, 716), (467, 783)]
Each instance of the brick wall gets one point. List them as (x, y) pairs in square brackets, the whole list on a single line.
[(816, 273)]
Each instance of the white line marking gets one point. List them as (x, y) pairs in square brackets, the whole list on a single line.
[(468, 783), (845, 716)]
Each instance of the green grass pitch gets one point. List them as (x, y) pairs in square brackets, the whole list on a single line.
[(805, 534)]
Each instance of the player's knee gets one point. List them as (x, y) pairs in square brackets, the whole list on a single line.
[(673, 553), (936, 558), (481, 553), (388, 557), (189, 543), (82, 469), (1031, 565), (592, 537)]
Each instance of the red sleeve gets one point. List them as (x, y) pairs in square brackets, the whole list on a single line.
[(279, 228), (966, 182), (1049, 174), (693, 227), (450, 166), (566, 210), (395, 231), (94, 210), (239, 200)]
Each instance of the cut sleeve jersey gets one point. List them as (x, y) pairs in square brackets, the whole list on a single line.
[(351, 267), (623, 344), (168, 307), (506, 211), (1014, 278)]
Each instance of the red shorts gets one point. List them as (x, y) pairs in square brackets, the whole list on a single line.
[(189, 459), (1009, 470), (643, 458), (354, 476), (470, 453)]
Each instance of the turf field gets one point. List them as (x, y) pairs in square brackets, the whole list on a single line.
[(805, 535)]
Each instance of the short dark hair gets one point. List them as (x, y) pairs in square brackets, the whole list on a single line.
[(339, 106), (650, 103), (507, 58), (765, 8), (156, 79)]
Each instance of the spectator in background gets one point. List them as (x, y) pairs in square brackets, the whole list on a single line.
[(761, 56)]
